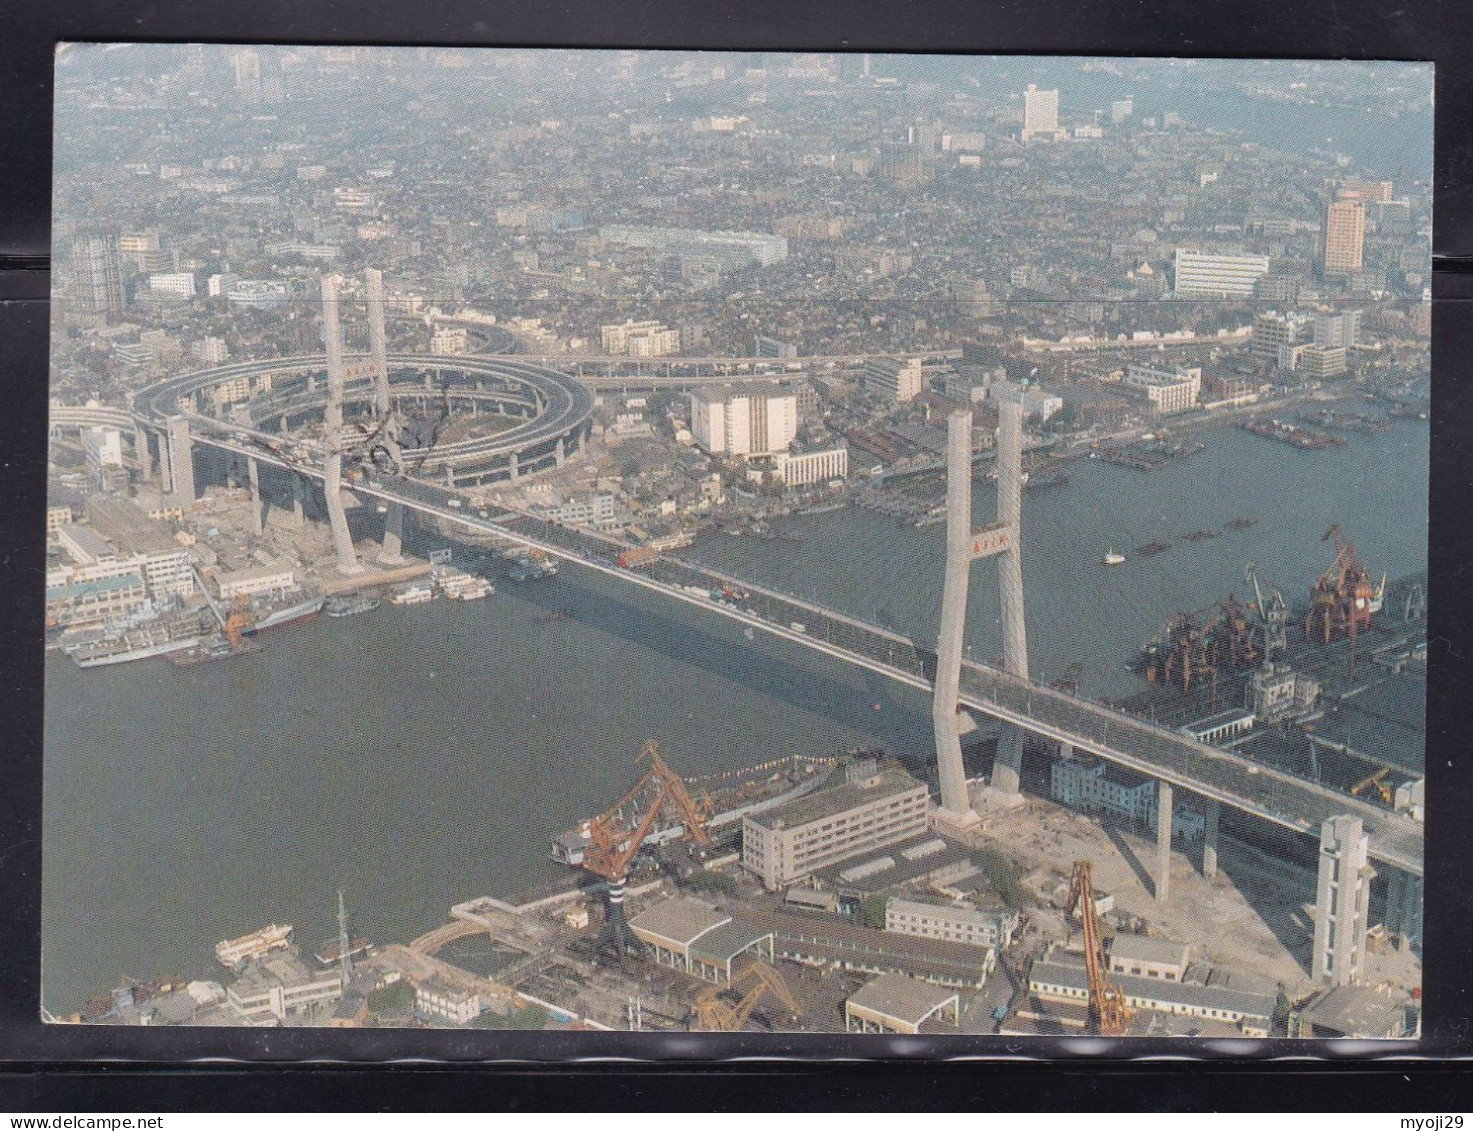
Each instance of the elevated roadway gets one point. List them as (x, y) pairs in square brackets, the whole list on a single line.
[(1158, 752)]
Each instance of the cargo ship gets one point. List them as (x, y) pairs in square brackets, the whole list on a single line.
[(211, 648), (1291, 434), (1039, 482), (230, 953), (350, 606), (275, 614), (157, 639)]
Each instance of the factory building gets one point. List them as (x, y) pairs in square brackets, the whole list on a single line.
[(1323, 362), (951, 923), (872, 806), (1358, 1012), (267, 579), (686, 934), (164, 563), (1202, 992), (894, 1003), (804, 469)]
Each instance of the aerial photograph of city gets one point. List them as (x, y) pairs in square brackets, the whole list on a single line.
[(737, 542)]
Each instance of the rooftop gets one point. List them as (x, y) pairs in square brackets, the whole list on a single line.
[(832, 800), (1355, 1011), (679, 920), (1139, 948), (723, 943), (902, 997), (129, 526)]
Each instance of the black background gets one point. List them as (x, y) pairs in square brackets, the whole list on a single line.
[(46, 1069)]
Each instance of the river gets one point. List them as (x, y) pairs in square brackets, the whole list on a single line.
[(416, 757)]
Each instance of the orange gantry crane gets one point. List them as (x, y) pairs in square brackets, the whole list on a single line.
[(1107, 1013), (1343, 599), (712, 1013), (238, 621), (616, 836)]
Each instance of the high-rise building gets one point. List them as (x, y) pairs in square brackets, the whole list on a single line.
[(247, 64), (893, 379), (744, 418), (1121, 109), (1040, 112), (1272, 330), (1379, 191), (1341, 329), (1342, 901), (1204, 275), (1345, 236), (96, 276)]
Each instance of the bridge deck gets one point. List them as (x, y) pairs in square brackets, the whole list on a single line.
[(1168, 755)]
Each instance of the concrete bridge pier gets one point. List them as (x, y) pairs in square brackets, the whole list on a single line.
[(299, 493), (337, 517), (560, 452), (1007, 768), (1165, 811), (1403, 917), (141, 453), (181, 458), (513, 472), (258, 504), (1213, 813), (393, 551)]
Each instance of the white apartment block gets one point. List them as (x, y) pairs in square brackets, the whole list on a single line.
[(179, 283), (951, 923), (872, 807), (1168, 390), (744, 419), (893, 379), (1200, 274), (808, 468), (640, 339)]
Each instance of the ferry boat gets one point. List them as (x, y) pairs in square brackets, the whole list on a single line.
[(531, 569), (350, 606), (415, 593), (461, 586), (1113, 557), (290, 610), (231, 953)]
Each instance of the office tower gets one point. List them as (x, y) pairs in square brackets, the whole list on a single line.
[(1040, 112), (97, 279), (1345, 235), (247, 66)]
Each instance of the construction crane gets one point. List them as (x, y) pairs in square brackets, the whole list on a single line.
[(1231, 641), (1382, 789), (713, 1014), (1272, 610), (616, 836), (1343, 599), (1107, 1013), (239, 620), (1182, 656)]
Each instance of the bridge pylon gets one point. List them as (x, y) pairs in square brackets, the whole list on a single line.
[(332, 432), (964, 545)]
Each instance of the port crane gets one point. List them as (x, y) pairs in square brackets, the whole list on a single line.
[(1107, 1013), (712, 1013), (616, 836), (238, 621), (1343, 599), (1273, 612)]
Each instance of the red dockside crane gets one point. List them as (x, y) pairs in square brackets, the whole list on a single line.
[(616, 836), (1107, 1013)]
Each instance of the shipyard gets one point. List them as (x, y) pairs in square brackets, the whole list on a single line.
[(705, 564)]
